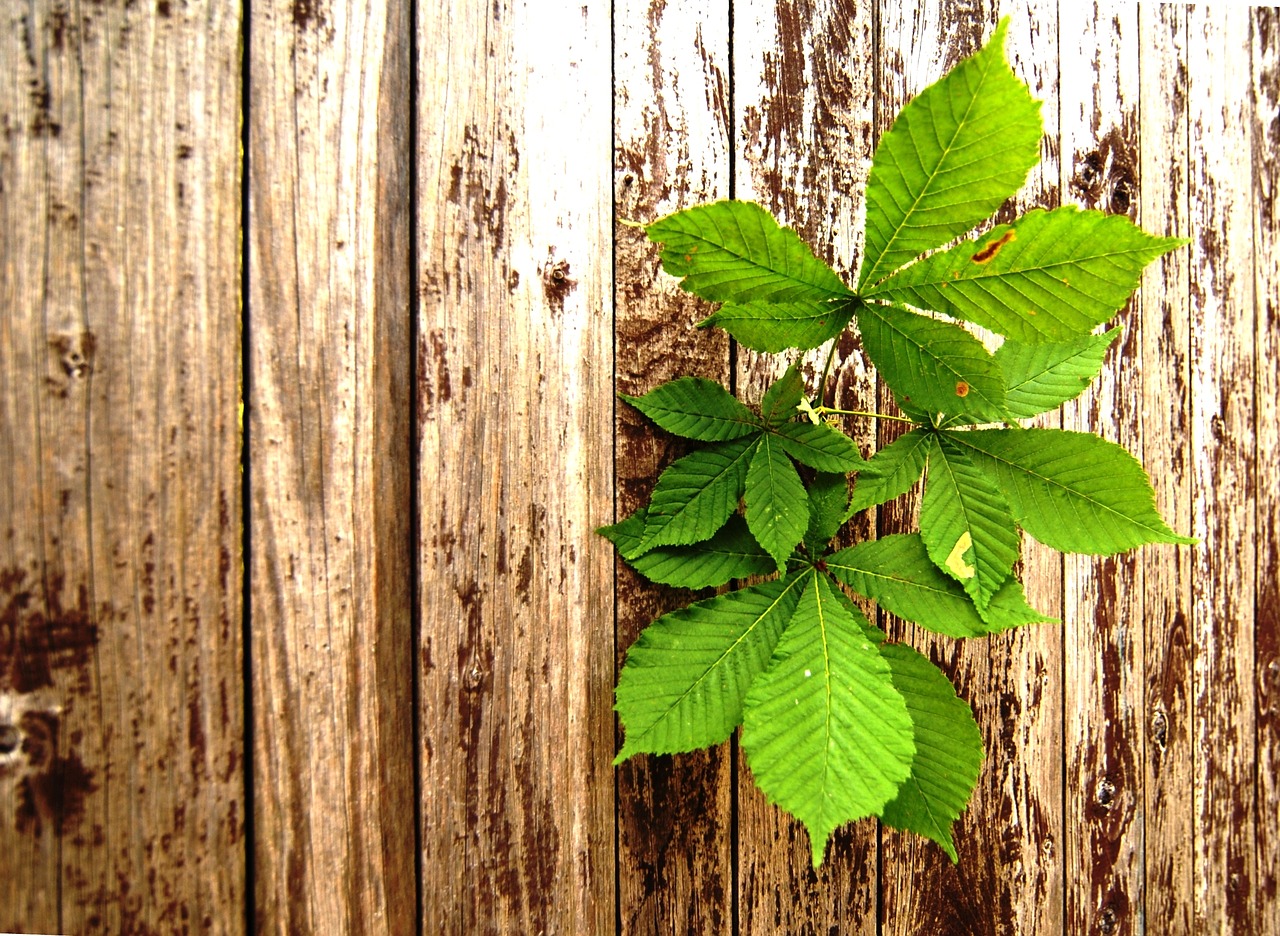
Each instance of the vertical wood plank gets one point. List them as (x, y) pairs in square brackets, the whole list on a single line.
[(331, 467), (1010, 875), (516, 420), (121, 798), (671, 150), (1265, 129), (1102, 610), (1168, 808), (802, 88), (1222, 429)]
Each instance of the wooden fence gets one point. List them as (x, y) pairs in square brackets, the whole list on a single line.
[(311, 320)]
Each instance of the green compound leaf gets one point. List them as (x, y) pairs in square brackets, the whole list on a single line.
[(891, 472), (695, 495), (935, 366), (777, 326), (732, 553), (965, 523), (1072, 491), (826, 734), (696, 408), (1041, 377), (777, 504), (732, 251), (828, 500), (948, 750), (779, 402), (897, 573), (685, 678), (954, 154), (818, 446), (1049, 276)]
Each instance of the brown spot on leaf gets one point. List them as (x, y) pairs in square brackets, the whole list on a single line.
[(988, 253), (962, 389)]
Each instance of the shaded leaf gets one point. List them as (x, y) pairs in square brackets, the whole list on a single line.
[(696, 408), (891, 472), (731, 554), (777, 505), (695, 495), (779, 402), (828, 500), (777, 326), (818, 445)]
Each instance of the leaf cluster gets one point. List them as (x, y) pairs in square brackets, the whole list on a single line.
[(837, 722)]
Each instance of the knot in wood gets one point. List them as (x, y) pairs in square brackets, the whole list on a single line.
[(10, 738)]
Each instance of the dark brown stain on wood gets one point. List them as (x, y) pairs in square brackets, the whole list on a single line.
[(41, 633), (52, 793), (1106, 177)]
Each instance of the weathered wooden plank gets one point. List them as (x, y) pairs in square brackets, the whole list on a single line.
[(330, 467), (1009, 879), (515, 379), (802, 99), (1102, 605), (1223, 478), (1265, 62), (1165, 308), (671, 150), (121, 806)]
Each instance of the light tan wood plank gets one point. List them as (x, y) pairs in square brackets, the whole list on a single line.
[(803, 86), (1223, 478), (1102, 611), (121, 806), (516, 424), (331, 467), (1165, 306), (1009, 879), (1265, 62), (671, 150)]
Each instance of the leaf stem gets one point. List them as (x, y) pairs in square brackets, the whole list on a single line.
[(823, 410), (826, 372)]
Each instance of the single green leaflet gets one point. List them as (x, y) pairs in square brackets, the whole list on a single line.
[(732, 251), (828, 500), (778, 405), (1049, 276), (695, 495), (777, 504), (954, 154), (933, 365), (1041, 377), (896, 572), (890, 472), (776, 326), (965, 523), (818, 446), (827, 736), (685, 678), (1072, 491), (948, 747), (696, 408), (731, 554)]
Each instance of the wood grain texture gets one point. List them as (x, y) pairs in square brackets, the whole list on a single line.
[(1165, 306), (1264, 36), (1010, 876), (1103, 618), (121, 794), (803, 113), (330, 457), (516, 422), (1223, 433), (671, 150)]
